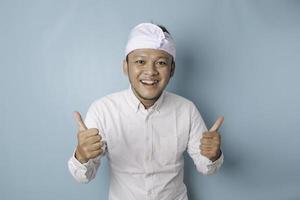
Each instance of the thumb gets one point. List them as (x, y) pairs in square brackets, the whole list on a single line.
[(78, 119), (217, 124)]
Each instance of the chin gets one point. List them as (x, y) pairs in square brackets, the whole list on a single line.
[(150, 96), (147, 93)]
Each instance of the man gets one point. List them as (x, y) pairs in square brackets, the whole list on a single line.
[(144, 130)]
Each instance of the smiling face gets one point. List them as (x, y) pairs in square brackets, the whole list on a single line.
[(149, 71)]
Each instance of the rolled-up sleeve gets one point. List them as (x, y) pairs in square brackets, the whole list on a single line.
[(84, 173), (197, 128)]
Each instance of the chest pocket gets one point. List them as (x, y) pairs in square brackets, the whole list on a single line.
[(165, 140)]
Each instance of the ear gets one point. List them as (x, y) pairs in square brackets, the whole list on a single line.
[(172, 69), (125, 67)]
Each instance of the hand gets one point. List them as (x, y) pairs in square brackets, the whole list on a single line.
[(211, 141), (89, 141)]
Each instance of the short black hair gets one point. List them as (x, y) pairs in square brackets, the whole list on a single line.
[(164, 29)]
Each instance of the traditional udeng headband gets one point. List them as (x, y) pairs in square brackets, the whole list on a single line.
[(148, 35)]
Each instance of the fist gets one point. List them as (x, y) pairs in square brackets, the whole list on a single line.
[(89, 141), (210, 142)]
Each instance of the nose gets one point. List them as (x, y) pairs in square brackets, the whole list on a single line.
[(151, 69)]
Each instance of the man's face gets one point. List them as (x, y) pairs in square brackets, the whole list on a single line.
[(149, 71)]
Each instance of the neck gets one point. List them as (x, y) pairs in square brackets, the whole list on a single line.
[(147, 103)]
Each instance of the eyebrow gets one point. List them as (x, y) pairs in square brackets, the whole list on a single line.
[(145, 56)]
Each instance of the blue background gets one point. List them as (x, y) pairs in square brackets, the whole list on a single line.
[(239, 59)]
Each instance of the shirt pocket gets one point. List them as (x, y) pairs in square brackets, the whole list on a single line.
[(165, 143)]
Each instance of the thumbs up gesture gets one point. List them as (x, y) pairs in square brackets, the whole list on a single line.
[(211, 141), (89, 141)]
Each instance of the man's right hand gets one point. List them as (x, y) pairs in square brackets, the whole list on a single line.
[(89, 141)]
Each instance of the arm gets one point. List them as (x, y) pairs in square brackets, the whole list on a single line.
[(197, 128), (85, 161)]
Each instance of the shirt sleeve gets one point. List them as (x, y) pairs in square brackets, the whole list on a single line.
[(197, 128), (84, 173)]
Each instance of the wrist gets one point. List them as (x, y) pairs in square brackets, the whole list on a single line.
[(79, 157)]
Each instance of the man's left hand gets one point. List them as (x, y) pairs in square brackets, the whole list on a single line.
[(210, 142)]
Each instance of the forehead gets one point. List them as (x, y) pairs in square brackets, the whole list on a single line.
[(151, 53)]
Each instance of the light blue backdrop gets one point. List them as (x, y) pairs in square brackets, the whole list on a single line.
[(239, 59)]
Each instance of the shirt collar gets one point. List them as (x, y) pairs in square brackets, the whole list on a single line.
[(136, 104)]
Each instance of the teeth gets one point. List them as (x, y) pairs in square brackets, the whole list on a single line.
[(149, 82)]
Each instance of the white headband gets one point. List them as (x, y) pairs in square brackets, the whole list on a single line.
[(147, 35)]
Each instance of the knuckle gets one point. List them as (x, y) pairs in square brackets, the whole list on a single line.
[(94, 130), (208, 139), (203, 140), (205, 134), (101, 144)]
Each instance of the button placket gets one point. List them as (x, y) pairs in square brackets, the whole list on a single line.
[(148, 139), (148, 157), (151, 152)]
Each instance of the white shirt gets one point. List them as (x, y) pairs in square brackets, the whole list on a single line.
[(144, 147)]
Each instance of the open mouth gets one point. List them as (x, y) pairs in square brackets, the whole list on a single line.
[(149, 82)]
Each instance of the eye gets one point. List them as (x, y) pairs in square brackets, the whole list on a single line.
[(162, 63), (140, 62)]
